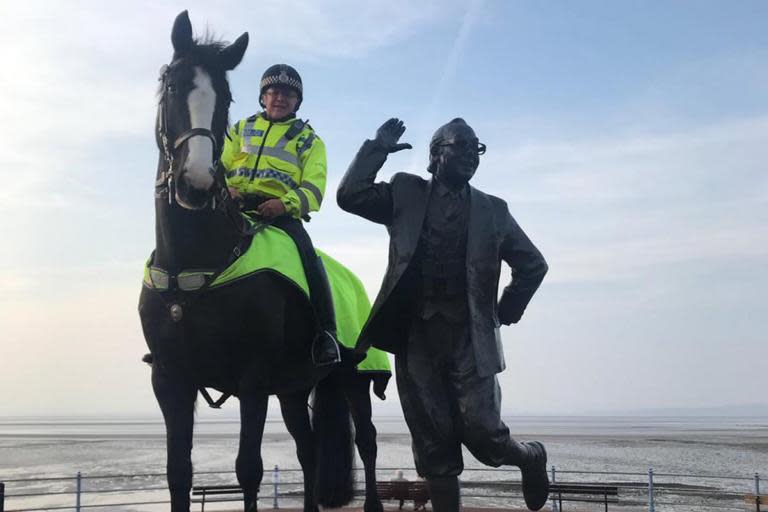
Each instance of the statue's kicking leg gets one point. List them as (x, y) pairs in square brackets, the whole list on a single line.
[(176, 397), (249, 465), (488, 439), (357, 389), (293, 407)]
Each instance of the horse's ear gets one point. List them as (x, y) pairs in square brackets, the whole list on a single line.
[(181, 34), (233, 54)]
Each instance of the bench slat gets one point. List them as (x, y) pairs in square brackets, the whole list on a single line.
[(610, 499), (210, 490), (610, 491)]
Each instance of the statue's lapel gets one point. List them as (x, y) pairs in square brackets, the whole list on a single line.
[(416, 216), (481, 227)]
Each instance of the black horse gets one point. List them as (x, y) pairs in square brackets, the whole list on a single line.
[(250, 338)]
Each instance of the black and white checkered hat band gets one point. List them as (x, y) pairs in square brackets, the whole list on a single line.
[(281, 79)]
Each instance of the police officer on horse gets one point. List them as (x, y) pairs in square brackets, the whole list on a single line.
[(276, 166)]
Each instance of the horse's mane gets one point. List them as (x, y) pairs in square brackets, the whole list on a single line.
[(206, 49)]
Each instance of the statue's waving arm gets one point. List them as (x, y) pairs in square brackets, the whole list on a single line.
[(358, 192)]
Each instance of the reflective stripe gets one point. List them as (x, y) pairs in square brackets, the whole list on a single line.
[(250, 132), (264, 173), (312, 188), (282, 154), (249, 127), (159, 279), (282, 143), (307, 144), (191, 281), (304, 208)]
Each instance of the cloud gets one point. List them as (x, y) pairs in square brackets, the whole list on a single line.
[(609, 207), (639, 166)]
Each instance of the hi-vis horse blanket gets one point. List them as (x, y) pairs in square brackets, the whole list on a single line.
[(273, 250)]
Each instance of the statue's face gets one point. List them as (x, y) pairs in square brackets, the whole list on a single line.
[(458, 154)]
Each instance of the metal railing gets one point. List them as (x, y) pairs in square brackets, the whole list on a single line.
[(639, 490)]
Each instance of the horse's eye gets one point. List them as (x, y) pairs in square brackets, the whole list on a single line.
[(171, 88)]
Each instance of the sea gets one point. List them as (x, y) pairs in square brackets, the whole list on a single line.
[(697, 463)]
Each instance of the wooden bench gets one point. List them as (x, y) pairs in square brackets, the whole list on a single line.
[(589, 493), (403, 490), (756, 502), (205, 491)]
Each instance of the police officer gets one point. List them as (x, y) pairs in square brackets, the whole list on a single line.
[(276, 165)]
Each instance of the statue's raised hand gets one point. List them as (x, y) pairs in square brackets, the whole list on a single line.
[(389, 133)]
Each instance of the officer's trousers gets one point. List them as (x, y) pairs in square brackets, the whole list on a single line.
[(446, 403), (319, 288)]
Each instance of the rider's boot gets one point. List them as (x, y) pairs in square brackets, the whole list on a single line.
[(325, 347)]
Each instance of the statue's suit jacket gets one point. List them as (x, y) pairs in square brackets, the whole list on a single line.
[(493, 236)]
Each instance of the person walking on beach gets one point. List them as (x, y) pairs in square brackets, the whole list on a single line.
[(437, 310), (276, 166)]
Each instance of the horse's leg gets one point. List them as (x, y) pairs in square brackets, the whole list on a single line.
[(249, 465), (296, 416), (177, 403), (357, 391)]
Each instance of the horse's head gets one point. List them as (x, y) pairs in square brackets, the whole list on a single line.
[(193, 111)]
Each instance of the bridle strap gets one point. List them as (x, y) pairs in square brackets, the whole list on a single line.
[(164, 183), (194, 132)]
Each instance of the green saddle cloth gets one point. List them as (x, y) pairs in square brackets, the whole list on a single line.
[(273, 250)]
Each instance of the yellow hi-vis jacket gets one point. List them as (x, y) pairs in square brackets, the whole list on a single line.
[(284, 159)]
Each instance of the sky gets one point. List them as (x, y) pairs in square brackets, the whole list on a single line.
[(630, 140)]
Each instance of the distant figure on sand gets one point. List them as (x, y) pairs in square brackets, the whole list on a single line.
[(437, 311)]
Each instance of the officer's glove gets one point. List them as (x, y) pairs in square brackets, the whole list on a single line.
[(389, 133), (380, 381)]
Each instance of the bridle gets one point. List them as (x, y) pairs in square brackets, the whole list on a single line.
[(221, 200), (165, 181)]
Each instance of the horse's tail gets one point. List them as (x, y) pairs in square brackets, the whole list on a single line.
[(331, 423)]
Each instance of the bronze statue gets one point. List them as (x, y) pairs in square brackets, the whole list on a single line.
[(437, 309)]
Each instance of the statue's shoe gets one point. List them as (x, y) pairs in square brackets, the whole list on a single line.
[(535, 478), (325, 349)]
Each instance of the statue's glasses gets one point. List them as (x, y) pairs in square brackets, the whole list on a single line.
[(465, 146)]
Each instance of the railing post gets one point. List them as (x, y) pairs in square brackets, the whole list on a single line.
[(2, 496), (554, 501), (275, 486), (757, 492), (650, 490), (79, 490)]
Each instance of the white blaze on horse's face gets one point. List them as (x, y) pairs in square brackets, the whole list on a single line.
[(201, 103)]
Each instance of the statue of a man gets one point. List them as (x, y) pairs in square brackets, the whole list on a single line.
[(437, 309)]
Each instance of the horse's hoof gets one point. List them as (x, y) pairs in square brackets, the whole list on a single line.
[(373, 506)]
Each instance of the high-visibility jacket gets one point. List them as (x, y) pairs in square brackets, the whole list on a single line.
[(284, 159)]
